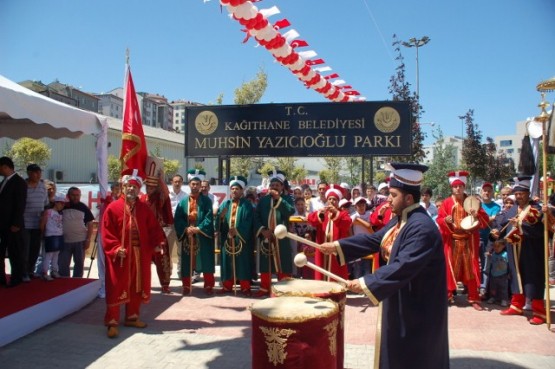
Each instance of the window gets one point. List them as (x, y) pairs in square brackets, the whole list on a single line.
[(505, 143)]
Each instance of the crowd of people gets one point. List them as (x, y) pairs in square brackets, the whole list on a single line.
[(492, 248)]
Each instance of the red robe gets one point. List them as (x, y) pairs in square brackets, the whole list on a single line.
[(119, 272), (468, 269), (378, 223), (330, 230)]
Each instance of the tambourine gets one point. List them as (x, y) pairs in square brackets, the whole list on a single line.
[(471, 203), (469, 223)]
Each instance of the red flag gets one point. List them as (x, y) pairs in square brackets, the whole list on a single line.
[(281, 24), (298, 43), (133, 144), (314, 62)]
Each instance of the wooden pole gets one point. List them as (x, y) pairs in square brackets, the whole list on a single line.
[(544, 118)]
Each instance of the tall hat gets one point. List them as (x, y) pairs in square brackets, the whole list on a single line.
[(153, 170), (458, 178), (238, 181), (276, 175), (195, 175), (406, 176), (522, 183), (132, 179), (335, 190)]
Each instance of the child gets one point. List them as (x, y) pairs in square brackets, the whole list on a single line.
[(499, 275), (53, 232)]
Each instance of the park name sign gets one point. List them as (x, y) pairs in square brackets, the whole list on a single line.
[(301, 130)]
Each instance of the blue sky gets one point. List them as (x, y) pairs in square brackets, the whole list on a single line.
[(483, 55)]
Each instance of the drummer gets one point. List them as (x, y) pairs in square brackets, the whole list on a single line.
[(411, 292), (521, 226), (461, 238)]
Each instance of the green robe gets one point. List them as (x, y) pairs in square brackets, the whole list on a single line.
[(205, 260), (282, 210), (244, 224)]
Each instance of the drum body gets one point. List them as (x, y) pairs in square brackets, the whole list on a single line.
[(319, 289), (294, 332)]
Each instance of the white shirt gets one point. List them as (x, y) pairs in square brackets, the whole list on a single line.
[(317, 203), (175, 199)]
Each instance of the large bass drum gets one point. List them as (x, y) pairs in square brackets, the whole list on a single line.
[(320, 289), (294, 332)]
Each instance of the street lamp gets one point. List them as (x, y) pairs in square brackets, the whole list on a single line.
[(415, 42)]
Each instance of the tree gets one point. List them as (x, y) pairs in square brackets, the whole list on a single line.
[(400, 90), (27, 151), (170, 168), (473, 152), (333, 167), (252, 91), (354, 169), (443, 163), (114, 168), (249, 93), (498, 166)]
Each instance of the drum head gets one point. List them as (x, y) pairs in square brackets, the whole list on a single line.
[(468, 223), (305, 287), (471, 202), (293, 308)]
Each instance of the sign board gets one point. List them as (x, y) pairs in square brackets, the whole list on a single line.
[(305, 129)]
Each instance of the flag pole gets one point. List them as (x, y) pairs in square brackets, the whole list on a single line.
[(543, 118), (545, 86)]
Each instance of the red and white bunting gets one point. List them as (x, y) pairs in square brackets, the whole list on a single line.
[(282, 47)]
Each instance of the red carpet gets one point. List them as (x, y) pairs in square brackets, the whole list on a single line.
[(29, 294)]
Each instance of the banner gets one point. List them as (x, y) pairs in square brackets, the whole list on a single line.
[(133, 144), (302, 129)]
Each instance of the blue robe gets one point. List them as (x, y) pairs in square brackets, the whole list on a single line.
[(412, 290)]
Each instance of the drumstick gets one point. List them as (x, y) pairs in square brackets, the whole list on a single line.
[(301, 260), (281, 232)]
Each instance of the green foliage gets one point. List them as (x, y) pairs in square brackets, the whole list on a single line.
[(251, 92), (26, 151), (240, 166), (443, 163), (498, 166), (354, 169), (333, 167), (171, 167), (326, 175), (114, 168), (473, 152)]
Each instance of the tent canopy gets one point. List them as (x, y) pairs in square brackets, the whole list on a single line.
[(25, 113)]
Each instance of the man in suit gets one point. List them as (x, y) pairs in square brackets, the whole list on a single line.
[(13, 195)]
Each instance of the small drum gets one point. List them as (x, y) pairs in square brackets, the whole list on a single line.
[(469, 223), (471, 203), (320, 289), (294, 332)]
